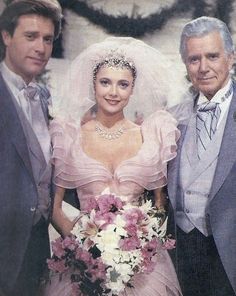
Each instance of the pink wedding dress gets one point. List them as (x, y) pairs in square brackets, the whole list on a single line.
[(147, 169)]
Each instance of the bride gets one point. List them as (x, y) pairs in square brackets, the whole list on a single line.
[(110, 151)]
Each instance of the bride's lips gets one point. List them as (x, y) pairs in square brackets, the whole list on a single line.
[(112, 102)]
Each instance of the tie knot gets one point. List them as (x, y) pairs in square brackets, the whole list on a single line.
[(209, 106), (31, 91)]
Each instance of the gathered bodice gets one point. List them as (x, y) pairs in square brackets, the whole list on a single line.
[(146, 170)]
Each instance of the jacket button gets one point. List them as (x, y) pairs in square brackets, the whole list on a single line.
[(32, 209)]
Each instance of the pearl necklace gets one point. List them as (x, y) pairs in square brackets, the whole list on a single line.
[(106, 134)]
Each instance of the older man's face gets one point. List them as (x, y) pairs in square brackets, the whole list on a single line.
[(207, 63)]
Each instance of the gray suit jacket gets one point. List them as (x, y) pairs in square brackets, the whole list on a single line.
[(222, 205), (18, 194)]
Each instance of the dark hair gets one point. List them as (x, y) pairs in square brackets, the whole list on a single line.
[(9, 18)]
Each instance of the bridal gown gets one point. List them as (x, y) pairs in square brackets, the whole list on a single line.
[(147, 169)]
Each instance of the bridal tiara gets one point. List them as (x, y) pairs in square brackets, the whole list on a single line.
[(114, 60)]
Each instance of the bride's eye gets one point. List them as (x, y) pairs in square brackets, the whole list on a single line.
[(104, 82), (124, 84)]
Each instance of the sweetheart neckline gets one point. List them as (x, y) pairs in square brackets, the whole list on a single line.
[(102, 164)]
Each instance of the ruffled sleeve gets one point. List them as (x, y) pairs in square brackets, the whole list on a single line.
[(161, 127), (64, 135), (149, 167)]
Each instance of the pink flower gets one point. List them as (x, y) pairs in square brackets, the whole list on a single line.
[(69, 243), (91, 204), (108, 218), (83, 255), (57, 248), (169, 244), (152, 245), (131, 229), (129, 243), (109, 203), (58, 266), (148, 265), (97, 269), (75, 290), (150, 249), (134, 216)]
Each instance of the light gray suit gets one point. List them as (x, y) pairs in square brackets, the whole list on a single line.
[(221, 208)]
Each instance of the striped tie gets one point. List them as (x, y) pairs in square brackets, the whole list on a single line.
[(208, 115), (37, 119)]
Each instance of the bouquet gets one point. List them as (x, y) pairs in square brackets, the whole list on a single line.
[(110, 243)]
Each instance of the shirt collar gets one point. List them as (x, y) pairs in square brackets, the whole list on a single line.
[(219, 97), (12, 78)]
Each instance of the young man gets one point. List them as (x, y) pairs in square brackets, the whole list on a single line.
[(28, 29), (202, 177)]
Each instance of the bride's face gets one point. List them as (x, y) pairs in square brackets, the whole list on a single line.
[(113, 87)]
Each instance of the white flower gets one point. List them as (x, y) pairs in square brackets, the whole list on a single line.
[(107, 239), (147, 206), (120, 224), (111, 258), (125, 270), (116, 287)]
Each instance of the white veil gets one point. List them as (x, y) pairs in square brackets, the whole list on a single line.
[(157, 85)]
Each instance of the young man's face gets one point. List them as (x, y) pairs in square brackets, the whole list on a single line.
[(30, 47)]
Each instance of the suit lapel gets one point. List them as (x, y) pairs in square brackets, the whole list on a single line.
[(189, 146), (173, 167), (38, 162), (227, 155), (45, 99), (11, 122)]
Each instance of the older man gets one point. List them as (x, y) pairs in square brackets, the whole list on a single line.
[(202, 186), (28, 28)]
